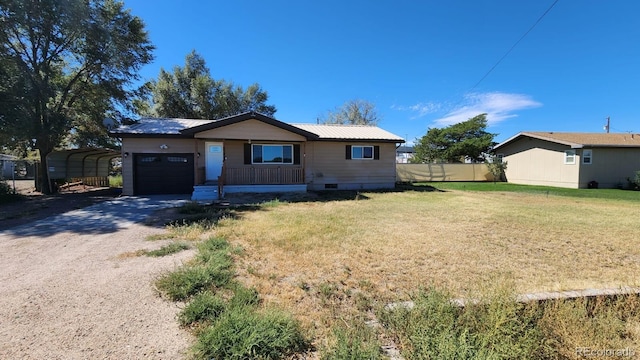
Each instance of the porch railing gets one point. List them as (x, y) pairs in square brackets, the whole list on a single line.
[(253, 175)]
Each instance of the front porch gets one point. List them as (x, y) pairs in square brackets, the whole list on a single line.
[(252, 179)]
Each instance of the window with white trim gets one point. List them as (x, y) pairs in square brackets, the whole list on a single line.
[(271, 154), (587, 156), (362, 152), (569, 157)]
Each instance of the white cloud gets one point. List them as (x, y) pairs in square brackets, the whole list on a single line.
[(498, 107), (421, 109)]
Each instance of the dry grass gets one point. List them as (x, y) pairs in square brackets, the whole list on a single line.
[(329, 261)]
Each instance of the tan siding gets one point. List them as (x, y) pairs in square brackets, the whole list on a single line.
[(250, 130), (326, 164), (610, 166), (152, 145), (538, 162)]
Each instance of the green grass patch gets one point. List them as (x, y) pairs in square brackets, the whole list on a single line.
[(172, 248), (226, 316), (613, 194), (242, 333), (212, 267), (356, 341), (204, 307)]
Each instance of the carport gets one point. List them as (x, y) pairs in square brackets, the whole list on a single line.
[(91, 166)]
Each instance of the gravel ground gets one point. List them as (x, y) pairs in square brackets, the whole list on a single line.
[(70, 295)]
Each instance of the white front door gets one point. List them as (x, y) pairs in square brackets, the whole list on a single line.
[(215, 158)]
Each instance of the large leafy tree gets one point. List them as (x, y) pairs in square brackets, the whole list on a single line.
[(455, 143), (66, 65), (353, 112), (191, 92)]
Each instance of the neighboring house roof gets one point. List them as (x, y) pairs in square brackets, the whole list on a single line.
[(579, 140), (405, 149), (150, 127), (4, 157)]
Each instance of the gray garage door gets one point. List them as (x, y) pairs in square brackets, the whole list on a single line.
[(163, 174)]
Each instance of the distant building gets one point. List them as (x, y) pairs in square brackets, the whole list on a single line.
[(6, 166), (403, 154)]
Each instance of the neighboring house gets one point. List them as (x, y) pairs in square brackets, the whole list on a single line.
[(7, 163), (251, 152), (404, 154), (571, 160)]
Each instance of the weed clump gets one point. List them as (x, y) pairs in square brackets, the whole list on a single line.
[(212, 267), (243, 334), (357, 341), (172, 248), (229, 322), (499, 327)]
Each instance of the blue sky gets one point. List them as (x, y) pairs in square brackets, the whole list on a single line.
[(418, 61)]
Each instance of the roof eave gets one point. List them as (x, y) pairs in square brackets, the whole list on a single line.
[(248, 116), (395, 141), (149, 135), (535, 136)]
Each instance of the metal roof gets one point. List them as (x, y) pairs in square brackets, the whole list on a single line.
[(188, 127), (349, 132), (159, 126), (7, 157), (77, 163), (579, 140)]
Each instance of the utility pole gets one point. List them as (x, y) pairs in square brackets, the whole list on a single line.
[(606, 127)]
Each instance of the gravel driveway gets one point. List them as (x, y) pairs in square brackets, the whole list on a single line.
[(68, 291)]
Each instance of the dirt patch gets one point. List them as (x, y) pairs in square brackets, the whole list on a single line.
[(35, 206), (72, 295)]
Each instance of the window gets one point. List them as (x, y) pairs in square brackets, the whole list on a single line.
[(362, 152), (177, 159), (272, 154), (587, 156), (499, 158), (570, 157), (148, 159)]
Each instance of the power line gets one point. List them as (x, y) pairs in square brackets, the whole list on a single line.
[(514, 45)]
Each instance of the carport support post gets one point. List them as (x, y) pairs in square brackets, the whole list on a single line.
[(13, 175)]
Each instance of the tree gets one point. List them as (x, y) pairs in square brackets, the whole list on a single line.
[(455, 143), (66, 66), (190, 92), (353, 112), (496, 167)]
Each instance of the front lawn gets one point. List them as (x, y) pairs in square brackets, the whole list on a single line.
[(534, 189), (334, 263)]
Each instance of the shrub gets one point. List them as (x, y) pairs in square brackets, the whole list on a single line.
[(634, 182), (247, 334), (6, 193), (115, 181)]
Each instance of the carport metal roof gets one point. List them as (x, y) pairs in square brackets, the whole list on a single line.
[(77, 163)]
